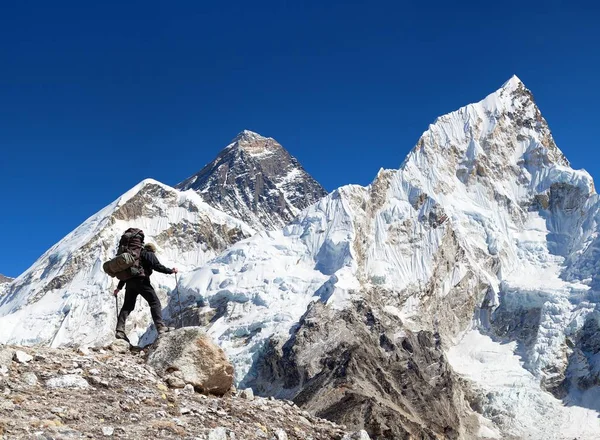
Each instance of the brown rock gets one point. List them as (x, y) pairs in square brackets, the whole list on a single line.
[(200, 362)]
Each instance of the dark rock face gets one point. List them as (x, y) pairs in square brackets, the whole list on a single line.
[(349, 367), (256, 180), (4, 280)]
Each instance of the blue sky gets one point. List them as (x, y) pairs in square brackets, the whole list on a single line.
[(96, 97)]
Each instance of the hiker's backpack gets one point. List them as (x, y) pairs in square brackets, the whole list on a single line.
[(127, 263)]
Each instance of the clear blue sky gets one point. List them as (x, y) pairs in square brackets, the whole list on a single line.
[(96, 96)]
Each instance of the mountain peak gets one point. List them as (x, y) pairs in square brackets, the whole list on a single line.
[(256, 180), (248, 135), (513, 83), (255, 144)]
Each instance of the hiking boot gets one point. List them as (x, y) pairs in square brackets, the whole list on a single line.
[(119, 334), (164, 329)]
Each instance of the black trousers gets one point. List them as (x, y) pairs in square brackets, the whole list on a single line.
[(133, 288)]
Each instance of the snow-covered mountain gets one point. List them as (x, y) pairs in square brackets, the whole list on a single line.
[(455, 297), (65, 297), (256, 180)]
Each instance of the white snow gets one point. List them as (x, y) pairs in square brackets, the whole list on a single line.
[(512, 397)]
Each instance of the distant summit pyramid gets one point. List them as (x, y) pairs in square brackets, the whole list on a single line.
[(256, 180)]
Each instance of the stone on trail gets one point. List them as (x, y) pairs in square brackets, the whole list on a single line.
[(219, 433), (67, 381), (247, 394), (22, 357), (359, 435), (199, 361)]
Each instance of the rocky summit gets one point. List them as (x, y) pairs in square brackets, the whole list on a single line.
[(256, 180)]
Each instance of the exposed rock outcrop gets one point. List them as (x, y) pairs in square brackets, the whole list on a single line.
[(358, 368)]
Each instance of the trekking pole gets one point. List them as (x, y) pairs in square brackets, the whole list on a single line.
[(117, 306), (112, 289), (179, 301)]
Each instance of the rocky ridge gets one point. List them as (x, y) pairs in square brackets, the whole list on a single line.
[(111, 392)]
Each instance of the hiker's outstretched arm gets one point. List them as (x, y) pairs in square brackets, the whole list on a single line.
[(155, 264)]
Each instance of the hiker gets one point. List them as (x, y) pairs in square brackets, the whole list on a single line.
[(140, 285)]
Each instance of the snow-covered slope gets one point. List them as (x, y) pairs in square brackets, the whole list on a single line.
[(256, 180), (4, 282), (65, 297), (484, 230)]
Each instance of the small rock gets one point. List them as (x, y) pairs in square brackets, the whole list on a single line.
[(3, 370), (22, 357), (304, 420), (359, 435), (188, 389), (184, 411), (108, 431), (84, 351), (281, 434), (68, 381), (6, 357), (179, 422), (219, 433), (94, 372), (120, 346), (175, 382), (247, 394), (30, 379)]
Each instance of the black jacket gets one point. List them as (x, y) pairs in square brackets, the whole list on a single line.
[(149, 263)]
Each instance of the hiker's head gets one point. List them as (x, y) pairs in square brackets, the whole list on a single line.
[(150, 247)]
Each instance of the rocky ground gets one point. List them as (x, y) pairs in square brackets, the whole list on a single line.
[(111, 392)]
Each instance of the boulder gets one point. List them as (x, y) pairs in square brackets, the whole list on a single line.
[(200, 362)]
